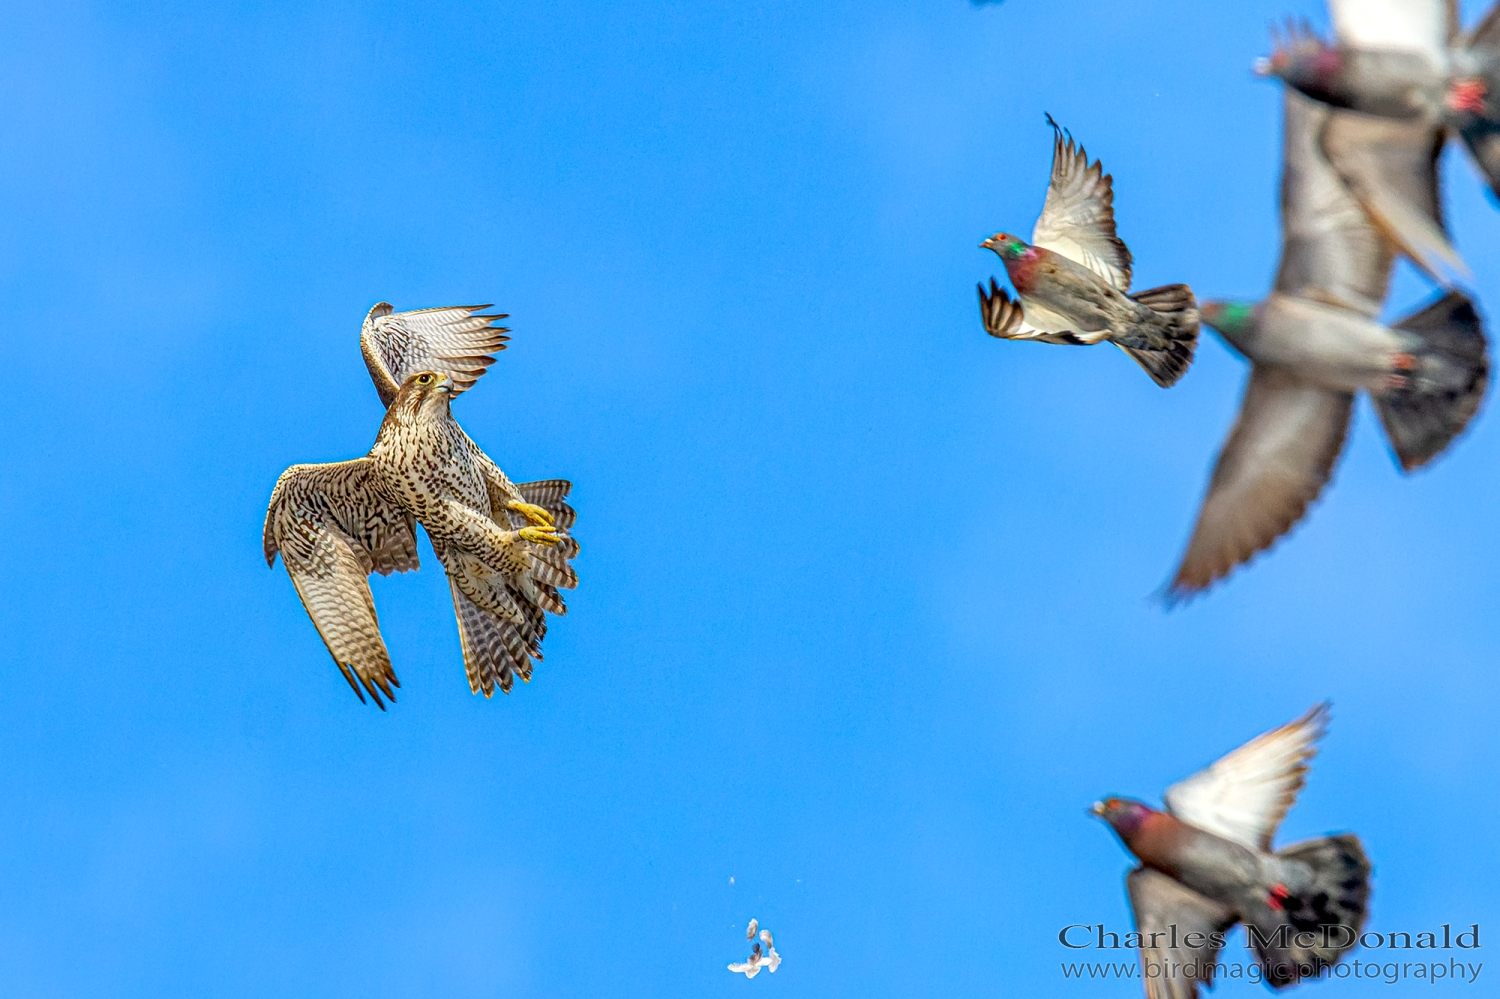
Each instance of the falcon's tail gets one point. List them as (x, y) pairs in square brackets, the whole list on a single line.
[(1299, 933), (1443, 388), (549, 494), (1176, 337), (496, 650)]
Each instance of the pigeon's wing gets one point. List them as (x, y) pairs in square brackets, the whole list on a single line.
[(1078, 218), (1244, 796), (333, 525), (1003, 318), (1421, 25), (457, 341), (1331, 251), (1486, 34), (1171, 912), (1391, 167), (1277, 459)]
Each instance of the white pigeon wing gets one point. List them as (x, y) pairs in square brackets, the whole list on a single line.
[(1244, 796), (1078, 217), (1420, 25)]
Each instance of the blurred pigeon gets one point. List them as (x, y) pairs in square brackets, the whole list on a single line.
[(759, 959), (1206, 864), (1314, 343), (749, 968), (1072, 281), (1406, 60)]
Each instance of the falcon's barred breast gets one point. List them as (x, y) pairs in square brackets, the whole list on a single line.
[(505, 547)]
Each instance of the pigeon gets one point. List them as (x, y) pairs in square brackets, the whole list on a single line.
[(760, 959), (1406, 60), (1072, 280), (1314, 343), (1206, 863)]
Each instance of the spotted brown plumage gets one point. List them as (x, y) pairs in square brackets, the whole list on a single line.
[(458, 341), (1072, 280), (506, 555)]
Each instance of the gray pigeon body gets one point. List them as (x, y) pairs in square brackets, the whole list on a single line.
[(1405, 60), (1206, 863), (1072, 279), (1315, 342)]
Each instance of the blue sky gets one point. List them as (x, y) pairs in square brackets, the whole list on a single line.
[(864, 623)]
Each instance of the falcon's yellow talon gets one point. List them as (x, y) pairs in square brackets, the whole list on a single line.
[(539, 535), (532, 512)]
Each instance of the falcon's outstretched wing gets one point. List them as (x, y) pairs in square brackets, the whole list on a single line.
[(1245, 795), (333, 525), (457, 341), (1078, 218)]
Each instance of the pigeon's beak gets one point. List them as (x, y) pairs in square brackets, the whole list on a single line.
[(1261, 67), (1097, 809), (988, 244)]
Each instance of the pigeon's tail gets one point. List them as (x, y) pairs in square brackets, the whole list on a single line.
[(1302, 928), (1483, 140), (1175, 336), (1438, 390)]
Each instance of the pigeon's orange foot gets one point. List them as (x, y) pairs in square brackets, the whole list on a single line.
[(1403, 361), (1467, 95)]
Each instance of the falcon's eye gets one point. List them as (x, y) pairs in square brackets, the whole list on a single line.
[(424, 379)]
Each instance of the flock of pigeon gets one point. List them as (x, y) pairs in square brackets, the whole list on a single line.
[(1366, 119), (1365, 123)]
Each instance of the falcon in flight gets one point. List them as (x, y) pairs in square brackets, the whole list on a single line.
[(504, 546)]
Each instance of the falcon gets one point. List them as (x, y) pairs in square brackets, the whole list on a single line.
[(1206, 863), (505, 547), (1072, 280), (1315, 342)]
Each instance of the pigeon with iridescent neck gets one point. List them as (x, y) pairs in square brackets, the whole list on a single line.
[(1072, 279), (1313, 344), (1206, 863), (1404, 60)]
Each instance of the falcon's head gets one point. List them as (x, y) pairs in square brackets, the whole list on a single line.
[(423, 396)]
